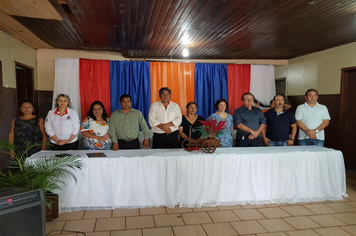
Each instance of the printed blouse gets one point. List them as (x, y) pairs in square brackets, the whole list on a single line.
[(96, 128)]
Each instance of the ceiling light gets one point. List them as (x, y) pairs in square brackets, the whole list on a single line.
[(185, 40), (185, 52)]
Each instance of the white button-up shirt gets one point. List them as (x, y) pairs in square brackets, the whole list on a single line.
[(62, 126), (158, 114)]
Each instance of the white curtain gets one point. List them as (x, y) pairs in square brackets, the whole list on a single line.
[(66, 81), (263, 83)]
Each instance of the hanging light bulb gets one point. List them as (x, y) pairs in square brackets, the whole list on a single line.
[(185, 52)]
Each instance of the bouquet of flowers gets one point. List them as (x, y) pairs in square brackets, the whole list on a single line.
[(211, 128)]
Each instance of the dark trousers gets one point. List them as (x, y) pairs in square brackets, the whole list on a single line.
[(68, 146), (165, 140), (242, 140), (134, 144)]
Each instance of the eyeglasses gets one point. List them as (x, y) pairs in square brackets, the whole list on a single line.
[(248, 99)]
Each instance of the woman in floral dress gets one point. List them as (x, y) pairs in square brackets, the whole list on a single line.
[(95, 128), (221, 115)]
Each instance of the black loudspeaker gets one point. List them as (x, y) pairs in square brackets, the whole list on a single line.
[(22, 213)]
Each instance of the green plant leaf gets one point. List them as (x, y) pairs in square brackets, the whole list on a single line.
[(46, 173)]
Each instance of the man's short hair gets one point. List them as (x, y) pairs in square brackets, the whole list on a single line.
[(125, 96), (243, 95), (164, 89), (274, 98), (311, 90)]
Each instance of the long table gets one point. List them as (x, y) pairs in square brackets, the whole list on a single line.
[(158, 177)]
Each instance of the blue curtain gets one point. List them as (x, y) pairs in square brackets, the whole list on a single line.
[(133, 78), (210, 85)]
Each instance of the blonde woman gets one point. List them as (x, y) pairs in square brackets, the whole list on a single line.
[(62, 125)]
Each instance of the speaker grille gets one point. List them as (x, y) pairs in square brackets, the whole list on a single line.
[(22, 223), (22, 213)]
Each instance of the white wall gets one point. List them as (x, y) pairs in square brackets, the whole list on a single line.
[(321, 70), (11, 51)]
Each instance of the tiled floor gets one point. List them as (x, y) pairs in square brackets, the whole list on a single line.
[(302, 219)]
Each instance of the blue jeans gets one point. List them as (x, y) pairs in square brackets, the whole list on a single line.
[(307, 142), (277, 143)]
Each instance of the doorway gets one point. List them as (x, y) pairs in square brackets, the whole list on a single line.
[(348, 117), (25, 84), (281, 86)]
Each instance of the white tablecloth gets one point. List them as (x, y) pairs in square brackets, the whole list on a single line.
[(148, 178)]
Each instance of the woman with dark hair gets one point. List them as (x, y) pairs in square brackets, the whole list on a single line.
[(95, 128), (27, 130), (221, 106), (190, 122), (62, 124)]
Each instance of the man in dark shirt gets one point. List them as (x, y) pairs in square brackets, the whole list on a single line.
[(279, 122), (249, 121)]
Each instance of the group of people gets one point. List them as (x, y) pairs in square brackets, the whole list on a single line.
[(278, 125), (170, 128)]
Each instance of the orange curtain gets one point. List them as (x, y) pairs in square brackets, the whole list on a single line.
[(178, 77)]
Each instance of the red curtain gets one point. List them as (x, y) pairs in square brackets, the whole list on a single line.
[(238, 83), (94, 84), (178, 77)]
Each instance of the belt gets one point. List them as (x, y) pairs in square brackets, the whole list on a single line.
[(159, 134), (165, 133), (242, 136), (128, 139)]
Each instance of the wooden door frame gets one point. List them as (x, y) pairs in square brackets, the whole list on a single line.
[(284, 79), (34, 95), (1, 88), (343, 88), (344, 94), (344, 85)]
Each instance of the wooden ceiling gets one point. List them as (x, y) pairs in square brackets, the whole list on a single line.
[(156, 29)]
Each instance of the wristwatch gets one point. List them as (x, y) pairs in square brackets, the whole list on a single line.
[(291, 139), (316, 131)]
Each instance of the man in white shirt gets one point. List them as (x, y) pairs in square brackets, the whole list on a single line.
[(165, 117), (312, 118)]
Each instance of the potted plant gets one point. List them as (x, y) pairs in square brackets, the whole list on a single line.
[(45, 173), (211, 128)]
